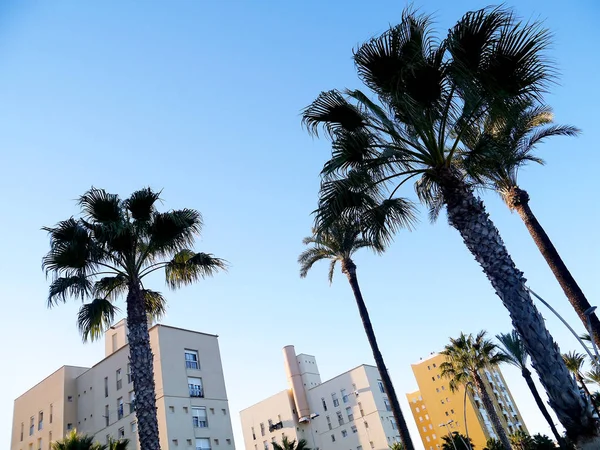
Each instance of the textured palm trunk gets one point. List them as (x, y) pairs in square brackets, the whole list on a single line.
[(349, 268), (142, 369), (489, 408), (540, 403), (518, 200), (467, 214)]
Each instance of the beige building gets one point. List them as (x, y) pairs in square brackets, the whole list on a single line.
[(193, 411), (349, 411), (439, 412)]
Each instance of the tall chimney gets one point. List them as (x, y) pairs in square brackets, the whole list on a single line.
[(295, 381)]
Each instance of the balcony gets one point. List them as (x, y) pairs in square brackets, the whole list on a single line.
[(196, 391)]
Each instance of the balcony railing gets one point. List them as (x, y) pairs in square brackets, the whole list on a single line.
[(196, 391)]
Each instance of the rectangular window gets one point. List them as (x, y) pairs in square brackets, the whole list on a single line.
[(434, 365), (50, 418), (224, 411), (344, 396), (340, 417), (133, 426), (199, 418), (106, 416), (39, 444), (195, 387), (329, 422), (119, 408), (262, 429), (324, 404), (265, 445), (362, 413), (354, 429), (344, 433), (40, 420), (50, 440), (349, 414), (69, 426), (333, 438), (451, 411), (31, 425), (336, 402), (372, 445), (191, 360), (129, 373), (105, 387), (359, 447), (131, 402), (253, 433), (381, 388), (434, 436), (394, 426), (202, 444), (119, 379), (387, 404), (22, 430), (121, 433)]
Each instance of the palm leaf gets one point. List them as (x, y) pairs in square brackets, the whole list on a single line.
[(187, 267), (332, 111), (173, 231), (95, 318), (156, 304), (110, 287), (100, 206), (74, 286), (141, 204)]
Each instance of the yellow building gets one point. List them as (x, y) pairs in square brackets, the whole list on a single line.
[(438, 411)]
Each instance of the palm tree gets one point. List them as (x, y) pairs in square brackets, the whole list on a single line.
[(338, 244), (456, 441), (286, 444), (575, 362), (515, 353), (120, 444), (497, 152), (521, 441), (76, 441), (543, 442), (107, 253), (397, 446), (430, 93), (593, 376), (494, 444), (466, 358)]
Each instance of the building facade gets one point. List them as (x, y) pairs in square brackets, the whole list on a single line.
[(192, 405), (349, 411), (439, 412)]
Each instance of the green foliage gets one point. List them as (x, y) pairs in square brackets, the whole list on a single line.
[(466, 356), (457, 441), (397, 446), (493, 444), (286, 444), (513, 349), (114, 245), (574, 362), (521, 441), (77, 441), (542, 442)]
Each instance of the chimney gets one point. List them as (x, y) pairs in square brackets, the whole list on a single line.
[(292, 370)]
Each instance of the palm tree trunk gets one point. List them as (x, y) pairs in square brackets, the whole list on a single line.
[(489, 408), (518, 200), (587, 392), (142, 369), (349, 268), (467, 214), (540, 403)]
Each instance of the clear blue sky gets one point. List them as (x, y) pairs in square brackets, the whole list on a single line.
[(202, 99)]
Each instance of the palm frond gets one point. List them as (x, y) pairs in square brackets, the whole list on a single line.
[(384, 220), (187, 267), (574, 362), (69, 248), (312, 255), (513, 349), (141, 204), (110, 287), (332, 112), (156, 304), (174, 231), (63, 287), (95, 318), (101, 206)]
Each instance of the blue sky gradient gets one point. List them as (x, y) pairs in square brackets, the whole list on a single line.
[(202, 99)]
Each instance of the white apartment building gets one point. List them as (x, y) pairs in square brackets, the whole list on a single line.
[(348, 412), (192, 406)]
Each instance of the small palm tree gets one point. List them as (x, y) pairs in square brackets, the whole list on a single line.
[(286, 444), (515, 353), (457, 441), (77, 441), (543, 442), (108, 252), (466, 357), (494, 444), (521, 441), (120, 444), (338, 244), (575, 362), (397, 446)]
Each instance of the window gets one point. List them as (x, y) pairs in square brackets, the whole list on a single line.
[(50, 417), (372, 445), (437, 389), (344, 396), (199, 418), (430, 426), (362, 413), (333, 438), (425, 429), (119, 408), (354, 429), (324, 404), (216, 442), (442, 401), (265, 445), (129, 373), (262, 429), (434, 365), (446, 413), (394, 426), (133, 426), (344, 433), (195, 387), (228, 441), (203, 444), (106, 423), (131, 402), (253, 433), (119, 379), (212, 411), (451, 411), (39, 444), (359, 447), (428, 367), (105, 387), (432, 378), (191, 359), (420, 419), (69, 426), (22, 429), (443, 388), (121, 433), (426, 416), (349, 414), (366, 424), (438, 377), (31, 426), (428, 438), (340, 418), (50, 440), (386, 402), (433, 436), (417, 409), (336, 402), (175, 442), (224, 411), (381, 388), (329, 422), (270, 423), (40, 420)]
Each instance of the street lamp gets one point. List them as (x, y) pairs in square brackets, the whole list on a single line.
[(587, 313), (445, 424)]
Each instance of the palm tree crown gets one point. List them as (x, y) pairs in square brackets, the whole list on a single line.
[(77, 441), (468, 355), (286, 444), (574, 362), (513, 351)]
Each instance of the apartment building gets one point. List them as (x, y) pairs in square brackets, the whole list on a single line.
[(192, 406), (438, 411), (349, 411)]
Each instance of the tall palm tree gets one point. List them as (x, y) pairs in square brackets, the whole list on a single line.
[(521, 441), (429, 93), (494, 444), (515, 353), (338, 244), (77, 441), (466, 358), (107, 253), (286, 444), (496, 153), (575, 362), (457, 441)]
